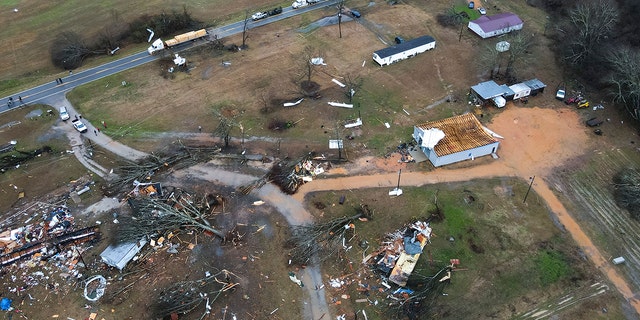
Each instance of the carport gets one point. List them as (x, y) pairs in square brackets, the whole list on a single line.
[(491, 91)]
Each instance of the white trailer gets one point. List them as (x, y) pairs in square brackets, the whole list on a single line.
[(159, 45), (404, 50)]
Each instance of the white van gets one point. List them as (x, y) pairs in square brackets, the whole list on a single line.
[(63, 114)]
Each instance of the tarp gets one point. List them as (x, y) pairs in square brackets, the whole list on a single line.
[(431, 137), (5, 304)]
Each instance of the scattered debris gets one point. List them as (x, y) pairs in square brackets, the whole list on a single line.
[(94, 288), (342, 85), (341, 105), (291, 104), (119, 255), (295, 279)]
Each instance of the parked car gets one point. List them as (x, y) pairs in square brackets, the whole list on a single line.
[(560, 94), (259, 15), (79, 126), (482, 11), (594, 122), (399, 40), (64, 115), (471, 4), (275, 11), (355, 14), (583, 104)]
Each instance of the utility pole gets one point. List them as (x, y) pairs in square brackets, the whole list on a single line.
[(530, 185)]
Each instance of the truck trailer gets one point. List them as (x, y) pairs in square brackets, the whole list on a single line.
[(160, 45)]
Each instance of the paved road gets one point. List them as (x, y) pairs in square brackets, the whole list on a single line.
[(40, 93)]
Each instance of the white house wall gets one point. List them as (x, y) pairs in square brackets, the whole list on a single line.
[(476, 28), (463, 155), (404, 55)]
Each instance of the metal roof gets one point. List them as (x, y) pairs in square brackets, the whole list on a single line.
[(407, 45), (463, 132), (497, 21), (489, 89), (535, 84)]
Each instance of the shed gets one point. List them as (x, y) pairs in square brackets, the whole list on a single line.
[(520, 90), (495, 25), (489, 90), (464, 138), (536, 86), (404, 50), (118, 255)]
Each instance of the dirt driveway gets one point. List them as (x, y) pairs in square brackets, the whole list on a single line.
[(536, 142)]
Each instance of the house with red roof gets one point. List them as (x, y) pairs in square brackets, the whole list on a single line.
[(495, 25)]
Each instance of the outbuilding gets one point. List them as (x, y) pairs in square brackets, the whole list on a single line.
[(495, 25), (455, 139), (536, 86), (491, 91), (520, 90), (404, 50)]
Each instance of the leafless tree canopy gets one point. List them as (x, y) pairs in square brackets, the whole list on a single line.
[(627, 191), (625, 78), (69, 50), (593, 22)]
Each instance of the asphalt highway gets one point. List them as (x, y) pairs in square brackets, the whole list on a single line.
[(41, 93)]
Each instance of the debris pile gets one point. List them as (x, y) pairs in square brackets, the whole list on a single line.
[(400, 252)]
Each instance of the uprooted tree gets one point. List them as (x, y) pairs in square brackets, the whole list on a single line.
[(154, 216), (627, 191), (69, 49), (427, 290), (186, 296), (126, 174), (324, 239)]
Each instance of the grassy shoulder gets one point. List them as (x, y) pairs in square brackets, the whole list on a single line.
[(511, 255)]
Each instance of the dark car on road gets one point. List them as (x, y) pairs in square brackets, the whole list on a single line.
[(355, 14)]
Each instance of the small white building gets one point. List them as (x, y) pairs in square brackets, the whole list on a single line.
[(495, 25), (454, 139), (404, 50), (520, 90)]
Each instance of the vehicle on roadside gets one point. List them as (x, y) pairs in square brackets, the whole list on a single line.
[(471, 4), (159, 45), (64, 115), (399, 40), (482, 11), (275, 11), (355, 14), (560, 94), (79, 125), (594, 122), (259, 15), (299, 4)]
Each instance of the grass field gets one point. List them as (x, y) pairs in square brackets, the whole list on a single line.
[(509, 252)]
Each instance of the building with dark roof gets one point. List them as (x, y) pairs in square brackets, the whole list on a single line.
[(495, 25), (404, 50), (455, 139)]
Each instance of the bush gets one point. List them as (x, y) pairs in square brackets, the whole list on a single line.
[(627, 191), (552, 266)]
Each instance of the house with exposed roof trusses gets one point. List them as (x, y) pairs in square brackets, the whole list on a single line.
[(455, 139), (495, 25)]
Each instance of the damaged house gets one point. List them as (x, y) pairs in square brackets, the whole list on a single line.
[(455, 139)]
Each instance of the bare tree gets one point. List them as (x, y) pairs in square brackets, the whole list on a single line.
[(340, 9), (306, 70), (489, 59), (109, 38), (520, 44), (245, 29), (627, 191), (69, 50), (624, 64), (352, 83), (593, 21), (227, 122)]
